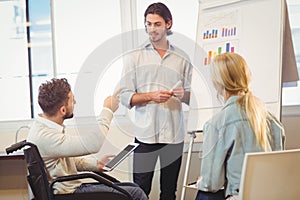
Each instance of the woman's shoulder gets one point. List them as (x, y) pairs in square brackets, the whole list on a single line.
[(228, 119), (230, 112)]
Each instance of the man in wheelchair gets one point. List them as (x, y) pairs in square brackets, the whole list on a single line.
[(62, 153)]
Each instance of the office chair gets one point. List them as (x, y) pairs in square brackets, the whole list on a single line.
[(271, 175), (42, 189)]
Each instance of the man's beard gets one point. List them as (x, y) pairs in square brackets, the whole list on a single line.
[(68, 115), (155, 36)]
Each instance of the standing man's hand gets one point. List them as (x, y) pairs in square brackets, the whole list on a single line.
[(161, 96)]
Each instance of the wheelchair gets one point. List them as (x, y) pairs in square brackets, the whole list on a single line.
[(42, 189)]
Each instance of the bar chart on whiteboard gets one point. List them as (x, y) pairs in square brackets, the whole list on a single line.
[(220, 33)]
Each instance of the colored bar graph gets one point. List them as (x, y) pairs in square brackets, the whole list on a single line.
[(210, 34), (227, 32), (220, 49)]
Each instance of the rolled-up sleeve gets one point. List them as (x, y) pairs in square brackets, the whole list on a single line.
[(125, 98), (128, 81), (87, 163)]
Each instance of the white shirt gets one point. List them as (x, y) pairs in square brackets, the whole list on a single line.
[(145, 71)]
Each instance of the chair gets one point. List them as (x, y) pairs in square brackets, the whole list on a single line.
[(42, 189), (271, 175)]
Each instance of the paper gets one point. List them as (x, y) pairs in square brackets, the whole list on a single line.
[(179, 83)]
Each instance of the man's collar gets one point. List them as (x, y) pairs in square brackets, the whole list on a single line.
[(148, 45), (50, 123)]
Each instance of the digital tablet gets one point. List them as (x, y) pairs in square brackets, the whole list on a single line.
[(120, 157)]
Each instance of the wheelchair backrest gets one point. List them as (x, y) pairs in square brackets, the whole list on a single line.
[(37, 174)]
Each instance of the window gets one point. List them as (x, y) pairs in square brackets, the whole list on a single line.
[(26, 52), (41, 59), (14, 79), (79, 27)]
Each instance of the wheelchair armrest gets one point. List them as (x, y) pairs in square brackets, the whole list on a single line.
[(81, 176), (108, 177), (96, 177)]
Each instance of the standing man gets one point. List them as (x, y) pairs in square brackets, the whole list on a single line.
[(156, 81), (62, 152)]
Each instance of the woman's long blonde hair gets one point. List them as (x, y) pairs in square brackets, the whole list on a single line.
[(230, 73)]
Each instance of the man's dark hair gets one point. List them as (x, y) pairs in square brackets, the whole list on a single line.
[(161, 10), (53, 94)]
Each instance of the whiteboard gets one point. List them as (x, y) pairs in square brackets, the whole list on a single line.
[(252, 28)]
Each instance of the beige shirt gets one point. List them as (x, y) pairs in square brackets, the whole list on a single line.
[(145, 71), (61, 151)]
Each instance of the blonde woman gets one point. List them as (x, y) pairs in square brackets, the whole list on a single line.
[(243, 125)]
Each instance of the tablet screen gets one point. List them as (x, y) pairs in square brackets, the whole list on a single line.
[(121, 156)]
